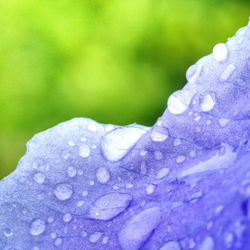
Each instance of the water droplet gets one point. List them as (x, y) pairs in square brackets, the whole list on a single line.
[(129, 185), (143, 152), (93, 238), (229, 240), (71, 171), (65, 154), (220, 52), (207, 244), (102, 175), (207, 103), (67, 217), (109, 206), (71, 143), (171, 245), (150, 188), (143, 168), (227, 72), (162, 173), (105, 240), (116, 144), (136, 231), (37, 227), (80, 203), (58, 242), (84, 234), (50, 219), (223, 122), (8, 232), (192, 153), (53, 235), (218, 210), (179, 101), (109, 128), (177, 142), (158, 155), (85, 193), (158, 137), (190, 72), (180, 159), (63, 191), (39, 177), (84, 151)]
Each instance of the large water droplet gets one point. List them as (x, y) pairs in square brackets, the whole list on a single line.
[(171, 245), (109, 206), (137, 230), (102, 175), (207, 244), (158, 137), (8, 232), (94, 237), (118, 142), (207, 103), (63, 191), (179, 101), (39, 177), (84, 151), (220, 52), (37, 227)]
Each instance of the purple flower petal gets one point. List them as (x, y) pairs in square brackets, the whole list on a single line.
[(182, 184)]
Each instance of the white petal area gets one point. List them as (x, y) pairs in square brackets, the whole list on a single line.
[(118, 142), (179, 101), (215, 163)]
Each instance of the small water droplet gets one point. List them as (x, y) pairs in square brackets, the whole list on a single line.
[(207, 244), (93, 238), (84, 151), (102, 175), (158, 137), (143, 152), (177, 142), (180, 159), (158, 155), (39, 177), (171, 245), (109, 206), (220, 52), (223, 122), (229, 240), (80, 203), (207, 103), (109, 128), (50, 219), (8, 232), (71, 171), (53, 235), (150, 188), (105, 240), (71, 143), (92, 126), (218, 210), (192, 153), (129, 185), (162, 173), (65, 154), (143, 168), (58, 242), (84, 234), (67, 217), (85, 193), (179, 101), (63, 191), (227, 72), (37, 227)]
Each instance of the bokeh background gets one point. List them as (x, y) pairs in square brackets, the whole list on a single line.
[(115, 61)]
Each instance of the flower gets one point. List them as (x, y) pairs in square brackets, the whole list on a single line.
[(183, 183)]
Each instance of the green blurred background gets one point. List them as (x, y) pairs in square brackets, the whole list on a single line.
[(115, 61)]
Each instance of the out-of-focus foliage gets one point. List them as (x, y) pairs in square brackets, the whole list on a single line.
[(114, 61)]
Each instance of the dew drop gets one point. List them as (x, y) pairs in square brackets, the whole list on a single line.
[(180, 159), (67, 217), (84, 151), (143, 152), (150, 188), (93, 238), (8, 232), (116, 144), (63, 191), (80, 203), (39, 177), (177, 142), (171, 245), (143, 168), (102, 175), (71, 143), (158, 155), (71, 171), (37, 227), (207, 244), (58, 242), (207, 103), (85, 193), (179, 101), (158, 137), (223, 122), (162, 173), (105, 240), (109, 206), (50, 219), (136, 231), (227, 72), (220, 52)]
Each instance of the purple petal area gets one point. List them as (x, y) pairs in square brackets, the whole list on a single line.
[(182, 184)]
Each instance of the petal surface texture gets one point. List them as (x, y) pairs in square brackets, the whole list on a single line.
[(183, 183)]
